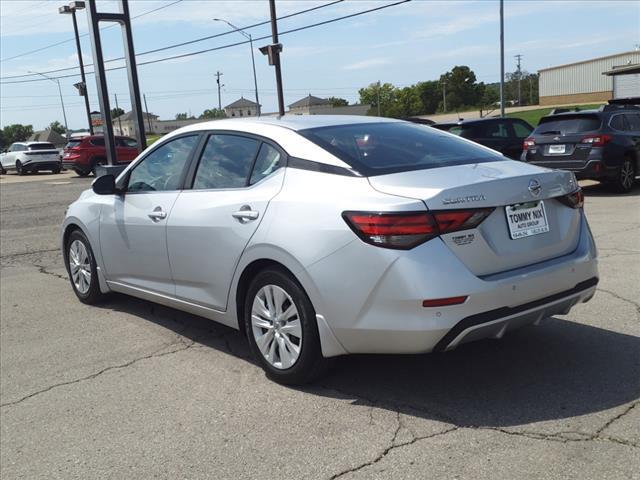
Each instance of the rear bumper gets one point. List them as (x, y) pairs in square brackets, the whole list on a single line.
[(592, 169), (42, 165), (380, 310)]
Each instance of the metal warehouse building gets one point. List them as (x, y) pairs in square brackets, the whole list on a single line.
[(585, 81)]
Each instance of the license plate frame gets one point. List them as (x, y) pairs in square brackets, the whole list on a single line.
[(557, 149), (526, 219)]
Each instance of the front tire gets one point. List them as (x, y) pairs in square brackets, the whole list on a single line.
[(82, 270), (626, 176), (82, 173), (281, 327)]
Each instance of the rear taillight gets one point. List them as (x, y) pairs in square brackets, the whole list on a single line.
[(574, 199), (596, 140), (408, 229), (528, 143)]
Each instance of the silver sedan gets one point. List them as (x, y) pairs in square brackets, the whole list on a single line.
[(320, 236)]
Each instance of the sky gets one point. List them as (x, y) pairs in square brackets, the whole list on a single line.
[(403, 44)]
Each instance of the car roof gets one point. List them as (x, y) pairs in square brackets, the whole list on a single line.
[(291, 122), (35, 143), (474, 120)]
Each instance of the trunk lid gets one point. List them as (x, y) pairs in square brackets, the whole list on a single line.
[(489, 248)]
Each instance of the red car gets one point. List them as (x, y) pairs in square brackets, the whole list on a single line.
[(83, 154)]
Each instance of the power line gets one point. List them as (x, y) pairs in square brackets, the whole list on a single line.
[(199, 52), (83, 35), (189, 42)]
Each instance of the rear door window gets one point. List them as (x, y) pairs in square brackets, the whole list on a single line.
[(73, 143), (633, 119), (126, 142), (521, 129), (268, 161), (568, 124), (226, 162), (618, 122), (99, 142)]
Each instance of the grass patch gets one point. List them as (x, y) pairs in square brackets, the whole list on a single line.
[(152, 139), (534, 116)]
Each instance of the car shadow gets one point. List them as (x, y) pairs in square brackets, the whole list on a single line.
[(560, 369), (603, 190)]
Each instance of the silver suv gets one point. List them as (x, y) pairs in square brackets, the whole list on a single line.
[(25, 157)]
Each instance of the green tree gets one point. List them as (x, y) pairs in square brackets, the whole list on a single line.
[(57, 127), (461, 88), (430, 95), (182, 116), (382, 94), (16, 133), (406, 103), (116, 112), (338, 102), (212, 113)]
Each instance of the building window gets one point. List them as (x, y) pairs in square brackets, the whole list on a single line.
[(240, 112), (248, 113), (233, 114)]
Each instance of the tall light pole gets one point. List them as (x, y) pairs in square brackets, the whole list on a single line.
[(64, 114), (71, 9), (519, 58), (253, 61), (502, 58)]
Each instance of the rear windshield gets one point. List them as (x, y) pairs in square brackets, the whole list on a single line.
[(73, 143), (42, 146), (567, 124), (381, 148)]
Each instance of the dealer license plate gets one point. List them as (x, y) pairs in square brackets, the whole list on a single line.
[(557, 148), (526, 219)]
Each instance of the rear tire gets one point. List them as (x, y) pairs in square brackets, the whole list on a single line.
[(82, 270), (19, 168), (95, 162), (82, 173), (290, 350), (625, 177)]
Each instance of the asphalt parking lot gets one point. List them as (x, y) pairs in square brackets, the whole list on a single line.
[(135, 390)]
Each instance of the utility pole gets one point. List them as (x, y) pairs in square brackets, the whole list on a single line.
[(519, 57), (530, 91), (502, 58), (218, 75), (118, 108), (444, 95), (274, 39), (144, 96), (378, 97), (64, 113)]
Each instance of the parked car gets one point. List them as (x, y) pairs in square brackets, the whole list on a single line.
[(26, 157), (601, 144), (502, 134), (83, 154), (319, 236)]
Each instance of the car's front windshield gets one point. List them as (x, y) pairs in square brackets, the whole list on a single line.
[(389, 147)]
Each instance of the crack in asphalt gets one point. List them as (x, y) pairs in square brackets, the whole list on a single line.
[(42, 269), (156, 354), (614, 419), (32, 252), (615, 295)]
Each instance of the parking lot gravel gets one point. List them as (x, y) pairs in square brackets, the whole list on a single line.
[(134, 390)]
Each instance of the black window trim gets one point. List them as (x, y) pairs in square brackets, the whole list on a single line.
[(206, 134), (123, 184)]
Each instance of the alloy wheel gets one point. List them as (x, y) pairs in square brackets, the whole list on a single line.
[(276, 326), (80, 266), (627, 175)]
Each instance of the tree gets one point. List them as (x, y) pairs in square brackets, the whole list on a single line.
[(406, 103), (338, 102), (462, 91), (430, 95), (16, 133), (182, 116), (384, 94), (212, 113), (116, 112), (57, 127)]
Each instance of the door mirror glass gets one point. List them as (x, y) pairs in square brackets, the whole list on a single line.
[(104, 185)]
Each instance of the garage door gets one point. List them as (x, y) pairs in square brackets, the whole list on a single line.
[(625, 86)]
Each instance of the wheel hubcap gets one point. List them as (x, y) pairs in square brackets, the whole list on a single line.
[(626, 175), (80, 266), (276, 326)]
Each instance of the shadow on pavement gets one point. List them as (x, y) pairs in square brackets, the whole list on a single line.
[(560, 369)]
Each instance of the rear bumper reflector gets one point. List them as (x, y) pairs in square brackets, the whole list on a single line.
[(444, 302)]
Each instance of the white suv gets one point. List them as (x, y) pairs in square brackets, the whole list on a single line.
[(24, 157)]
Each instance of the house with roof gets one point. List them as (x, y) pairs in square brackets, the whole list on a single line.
[(50, 136), (311, 105), (242, 107)]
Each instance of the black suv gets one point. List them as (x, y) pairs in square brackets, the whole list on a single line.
[(505, 135), (601, 144)]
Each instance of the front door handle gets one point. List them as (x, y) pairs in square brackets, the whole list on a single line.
[(157, 214), (245, 214)]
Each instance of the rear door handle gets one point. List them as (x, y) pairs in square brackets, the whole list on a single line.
[(245, 214), (157, 214)]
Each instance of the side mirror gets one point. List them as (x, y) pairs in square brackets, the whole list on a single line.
[(104, 185)]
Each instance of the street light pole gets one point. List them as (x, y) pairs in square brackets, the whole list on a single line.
[(502, 58), (64, 113), (71, 8), (253, 61)]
